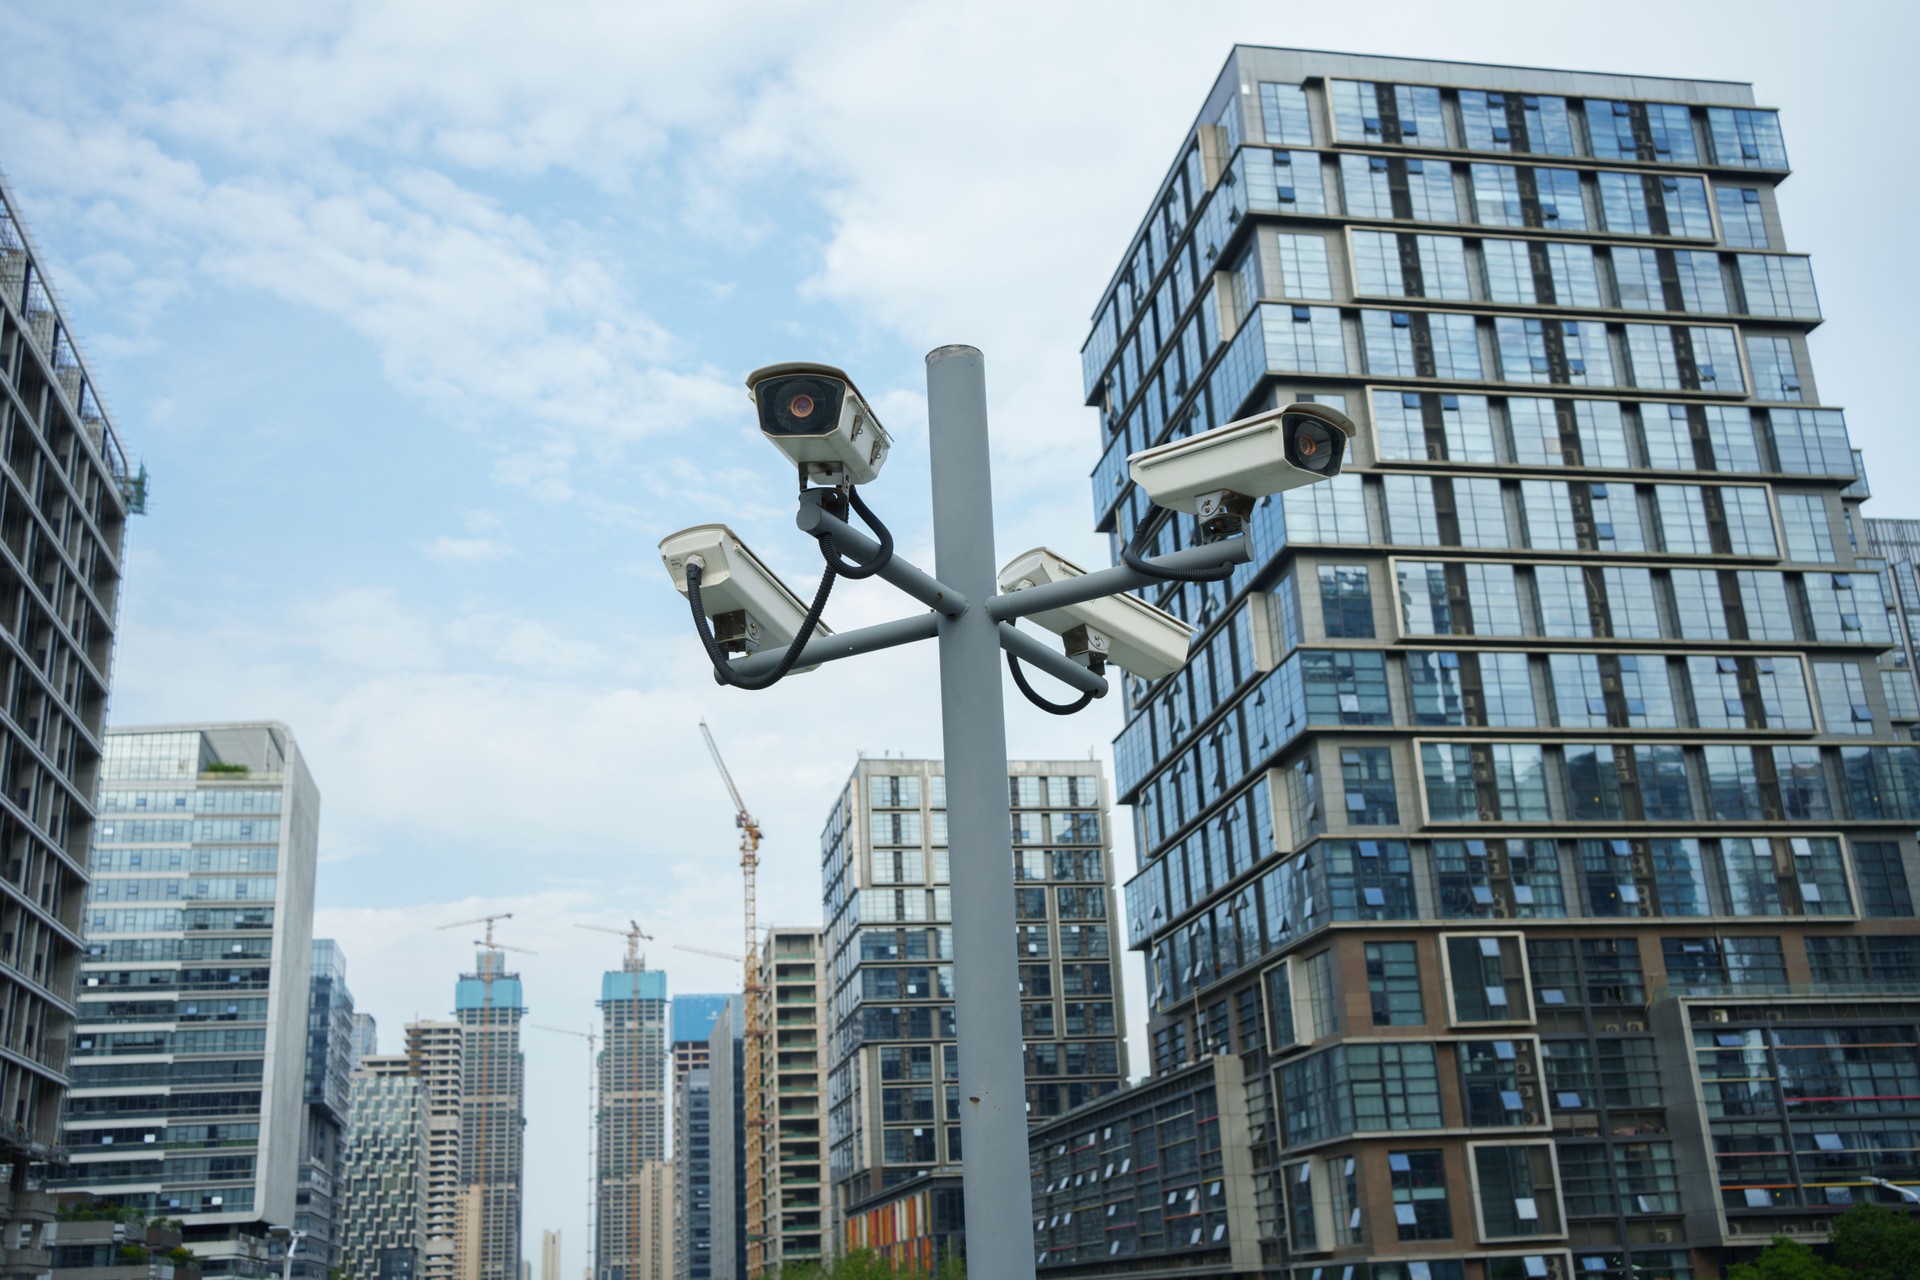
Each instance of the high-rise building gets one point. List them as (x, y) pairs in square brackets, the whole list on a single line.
[(383, 1232), (436, 1052), (690, 1023), (892, 1087), (189, 1096), (550, 1256), (61, 572), (366, 1037), (323, 1146), (652, 1257), (489, 1005), (1533, 822), (631, 1123), (784, 1219), (726, 1150)]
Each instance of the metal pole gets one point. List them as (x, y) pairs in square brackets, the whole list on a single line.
[(986, 986)]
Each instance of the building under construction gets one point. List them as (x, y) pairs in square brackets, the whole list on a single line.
[(631, 1126), (488, 1005)]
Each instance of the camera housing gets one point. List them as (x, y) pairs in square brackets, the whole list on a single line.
[(1149, 642), (818, 418), (751, 609), (1267, 453)]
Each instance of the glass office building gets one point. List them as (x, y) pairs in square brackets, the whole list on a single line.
[(631, 1126), (1534, 820), (1898, 543), (893, 1093), (189, 1095)]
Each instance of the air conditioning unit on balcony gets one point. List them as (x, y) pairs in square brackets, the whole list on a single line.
[(1716, 1015)]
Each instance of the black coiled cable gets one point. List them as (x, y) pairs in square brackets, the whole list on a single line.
[(1052, 708), (1134, 557), (882, 535), (722, 667)]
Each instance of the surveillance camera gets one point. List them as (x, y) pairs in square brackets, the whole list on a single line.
[(819, 420), (750, 607), (1267, 453), (1147, 641)]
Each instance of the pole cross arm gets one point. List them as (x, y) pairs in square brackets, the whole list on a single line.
[(1107, 582), (928, 591), (1038, 653), (847, 644)]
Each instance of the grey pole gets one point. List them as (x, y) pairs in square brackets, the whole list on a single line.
[(986, 981)]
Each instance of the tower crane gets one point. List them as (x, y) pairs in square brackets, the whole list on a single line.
[(489, 970), (633, 933), (734, 956), (592, 1038), (751, 1048)]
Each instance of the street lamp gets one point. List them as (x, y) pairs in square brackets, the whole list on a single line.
[(756, 631), (1905, 1193), (293, 1236)]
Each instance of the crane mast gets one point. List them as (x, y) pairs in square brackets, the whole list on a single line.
[(755, 1028)]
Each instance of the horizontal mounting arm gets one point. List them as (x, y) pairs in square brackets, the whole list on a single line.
[(928, 591), (1036, 653), (850, 644), (1107, 582)]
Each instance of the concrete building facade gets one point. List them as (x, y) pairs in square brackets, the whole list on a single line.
[(384, 1198), (631, 1133), (1534, 822), (436, 1054), (65, 493), (189, 1096), (489, 1004), (786, 1210), (892, 1088)]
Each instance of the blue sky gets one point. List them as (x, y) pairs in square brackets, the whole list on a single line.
[(429, 320)]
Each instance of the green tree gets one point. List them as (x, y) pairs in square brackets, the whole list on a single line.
[(1877, 1243), (1786, 1259)]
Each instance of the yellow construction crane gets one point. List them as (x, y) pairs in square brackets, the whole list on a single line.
[(754, 1030), (489, 970), (734, 956)]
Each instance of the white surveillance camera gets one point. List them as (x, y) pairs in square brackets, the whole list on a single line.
[(1267, 453), (751, 609), (1127, 631), (819, 420)]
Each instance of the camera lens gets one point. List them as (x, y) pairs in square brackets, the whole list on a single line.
[(800, 406), (1311, 444)]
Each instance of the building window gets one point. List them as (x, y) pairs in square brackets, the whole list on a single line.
[(1346, 602), (1486, 974), (1516, 1191), (1393, 984), (1366, 776), (1884, 892), (1420, 1195)]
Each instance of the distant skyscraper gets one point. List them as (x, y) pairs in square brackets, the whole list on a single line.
[(436, 1052), (384, 1220), (632, 1120), (550, 1256), (323, 1145), (199, 929), (893, 1082), (1533, 823), (488, 1003), (726, 1150), (366, 1037), (784, 1222), (64, 461), (653, 1224), (690, 1025)]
